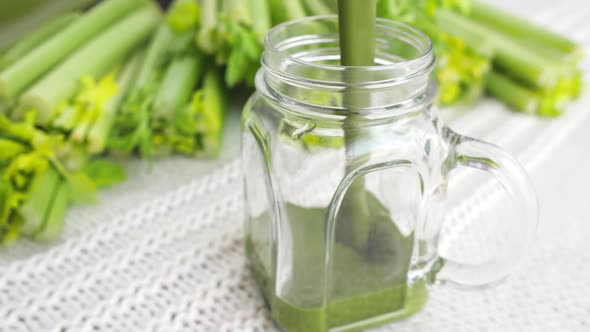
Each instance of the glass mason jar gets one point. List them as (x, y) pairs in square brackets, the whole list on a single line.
[(346, 175)]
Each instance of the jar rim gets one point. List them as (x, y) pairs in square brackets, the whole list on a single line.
[(421, 63)]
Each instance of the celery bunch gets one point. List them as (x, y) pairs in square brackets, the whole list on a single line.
[(83, 86), (232, 31), (36, 184), (61, 86), (121, 79), (479, 48), (166, 110)]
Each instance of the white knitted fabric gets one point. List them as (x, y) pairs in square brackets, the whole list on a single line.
[(164, 251)]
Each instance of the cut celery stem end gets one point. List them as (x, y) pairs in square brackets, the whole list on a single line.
[(36, 38), (63, 81), (511, 55), (31, 67), (518, 27), (34, 210), (53, 224)]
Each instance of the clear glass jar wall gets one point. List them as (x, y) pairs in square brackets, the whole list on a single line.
[(345, 175)]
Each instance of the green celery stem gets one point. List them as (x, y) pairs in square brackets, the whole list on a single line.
[(153, 58), (357, 24), (53, 224), (177, 86), (332, 4), (63, 81), (206, 38), (518, 27), (32, 66), (237, 11), (99, 133), (67, 119), (286, 10), (212, 113), (81, 128), (17, 18), (261, 19), (36, 38), (512, 56), (511, 93), (40, 196), (316, 7)]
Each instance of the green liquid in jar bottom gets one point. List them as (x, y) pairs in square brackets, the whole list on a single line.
[(364, 292)]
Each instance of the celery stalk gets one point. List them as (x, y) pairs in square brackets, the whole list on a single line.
[(183, 15), (207, 38), (131, 128), (53, 223), (261, 19), (316, 7), (16, 78), (357, 24), (153, 58), (63, 81), (546, 103), (212, 114), (237, 11), (511, 55), (518, 27), (177, 86), (553, 55), (511, 93), (82, 127), (332, 4), (199, 125), (67, 119), (35, 38), (17, 18), (99, 133), (41, 193), (286, 10)]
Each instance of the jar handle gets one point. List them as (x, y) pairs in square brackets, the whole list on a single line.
[(472, 153)]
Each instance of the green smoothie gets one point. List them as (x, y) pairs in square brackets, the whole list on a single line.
[(364, 286)]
